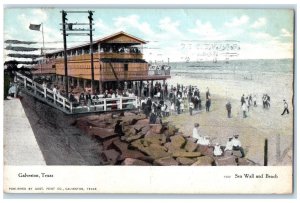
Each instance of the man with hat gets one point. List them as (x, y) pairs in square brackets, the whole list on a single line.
[(285, 108), (237, 146)]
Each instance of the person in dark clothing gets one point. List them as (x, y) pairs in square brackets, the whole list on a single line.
[(207, 104), (285, 108), (152, 118), (119, 128), (207, 94), (82, 99), (178, 106), (243, 100), (228, 108)]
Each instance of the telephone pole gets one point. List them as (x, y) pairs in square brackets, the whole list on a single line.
[(64, 14)]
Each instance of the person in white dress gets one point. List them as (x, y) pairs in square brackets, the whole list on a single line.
[(217, 150)]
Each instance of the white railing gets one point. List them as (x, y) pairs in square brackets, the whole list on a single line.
[(101, 104)]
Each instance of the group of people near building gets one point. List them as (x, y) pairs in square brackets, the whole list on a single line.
[(233, 143)]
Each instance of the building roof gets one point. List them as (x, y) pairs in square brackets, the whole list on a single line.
[(114, 38)]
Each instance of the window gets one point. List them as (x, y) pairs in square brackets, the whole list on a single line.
[(125, 67)]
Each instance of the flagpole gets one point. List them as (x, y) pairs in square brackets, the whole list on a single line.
[(43, 37)]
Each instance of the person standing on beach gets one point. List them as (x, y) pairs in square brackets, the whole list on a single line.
[(207, 94), (242, 100), (244, 109), (178, 106), (228, 108), (196, 133), (285, 108), (207, 104), (191, 107), (254, 101)]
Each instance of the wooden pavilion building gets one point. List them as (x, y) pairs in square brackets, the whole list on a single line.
[(118, 61)]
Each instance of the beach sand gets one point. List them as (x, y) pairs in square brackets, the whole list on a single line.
[(260, 124)]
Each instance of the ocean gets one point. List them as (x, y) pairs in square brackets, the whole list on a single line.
[(252, 69)]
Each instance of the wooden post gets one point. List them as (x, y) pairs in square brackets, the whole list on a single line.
[(266, 153), (64, 103), (84, 83), (71, 107), (121, 103), (104, 107), (163, 89), (45, 92), (78, 82), (25, 82)]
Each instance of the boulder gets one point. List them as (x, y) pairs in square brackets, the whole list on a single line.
[(191, 139), (119, 146), (186, 154), (156, 128), (135, 162), (226, 161), (156, 151), (190, 146), (171, 130), (177, 141), (109, 157), (134, 154), (101, 133), (165, 161), (185, 161), (138, 144), (227, 153), (204, 161), (237, 153), (145, 129), (171, 148), (143, 122), (153, 138), (132, 138), (205, 150), (138, 127), (107, 143), (245, 162)]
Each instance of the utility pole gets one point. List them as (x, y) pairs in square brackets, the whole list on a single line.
[(91, 48), (79, 32), (64, 14)]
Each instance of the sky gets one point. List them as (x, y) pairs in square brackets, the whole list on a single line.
[(174, 34)]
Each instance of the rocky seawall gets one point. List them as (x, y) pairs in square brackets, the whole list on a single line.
[(147, 144)]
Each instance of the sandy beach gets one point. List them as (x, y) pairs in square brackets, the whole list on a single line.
[(260, 124)]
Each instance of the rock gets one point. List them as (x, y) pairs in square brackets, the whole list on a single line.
[(138, 144), (126, 113), (156, 128), (227, 153), (185, 161), (138, 127), (153, 138), (132, 138), (118, 145), (186, 154), (107, 143), (178, 141), (145, 129), (171, 130), (135, 154), (190, 146), (165, 161), (156, 151), (191, 139), (205, 150), (171, 148), (143, 122), (204, 161), (237, 153), (226, 161), (109, 157), (245, 162), (135, 162), (101, 133)]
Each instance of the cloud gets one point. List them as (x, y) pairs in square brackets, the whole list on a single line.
[(259, 23), (285, 33), (236, 22), (205, 31), (40, 14), (167, 25), (133, 21)]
